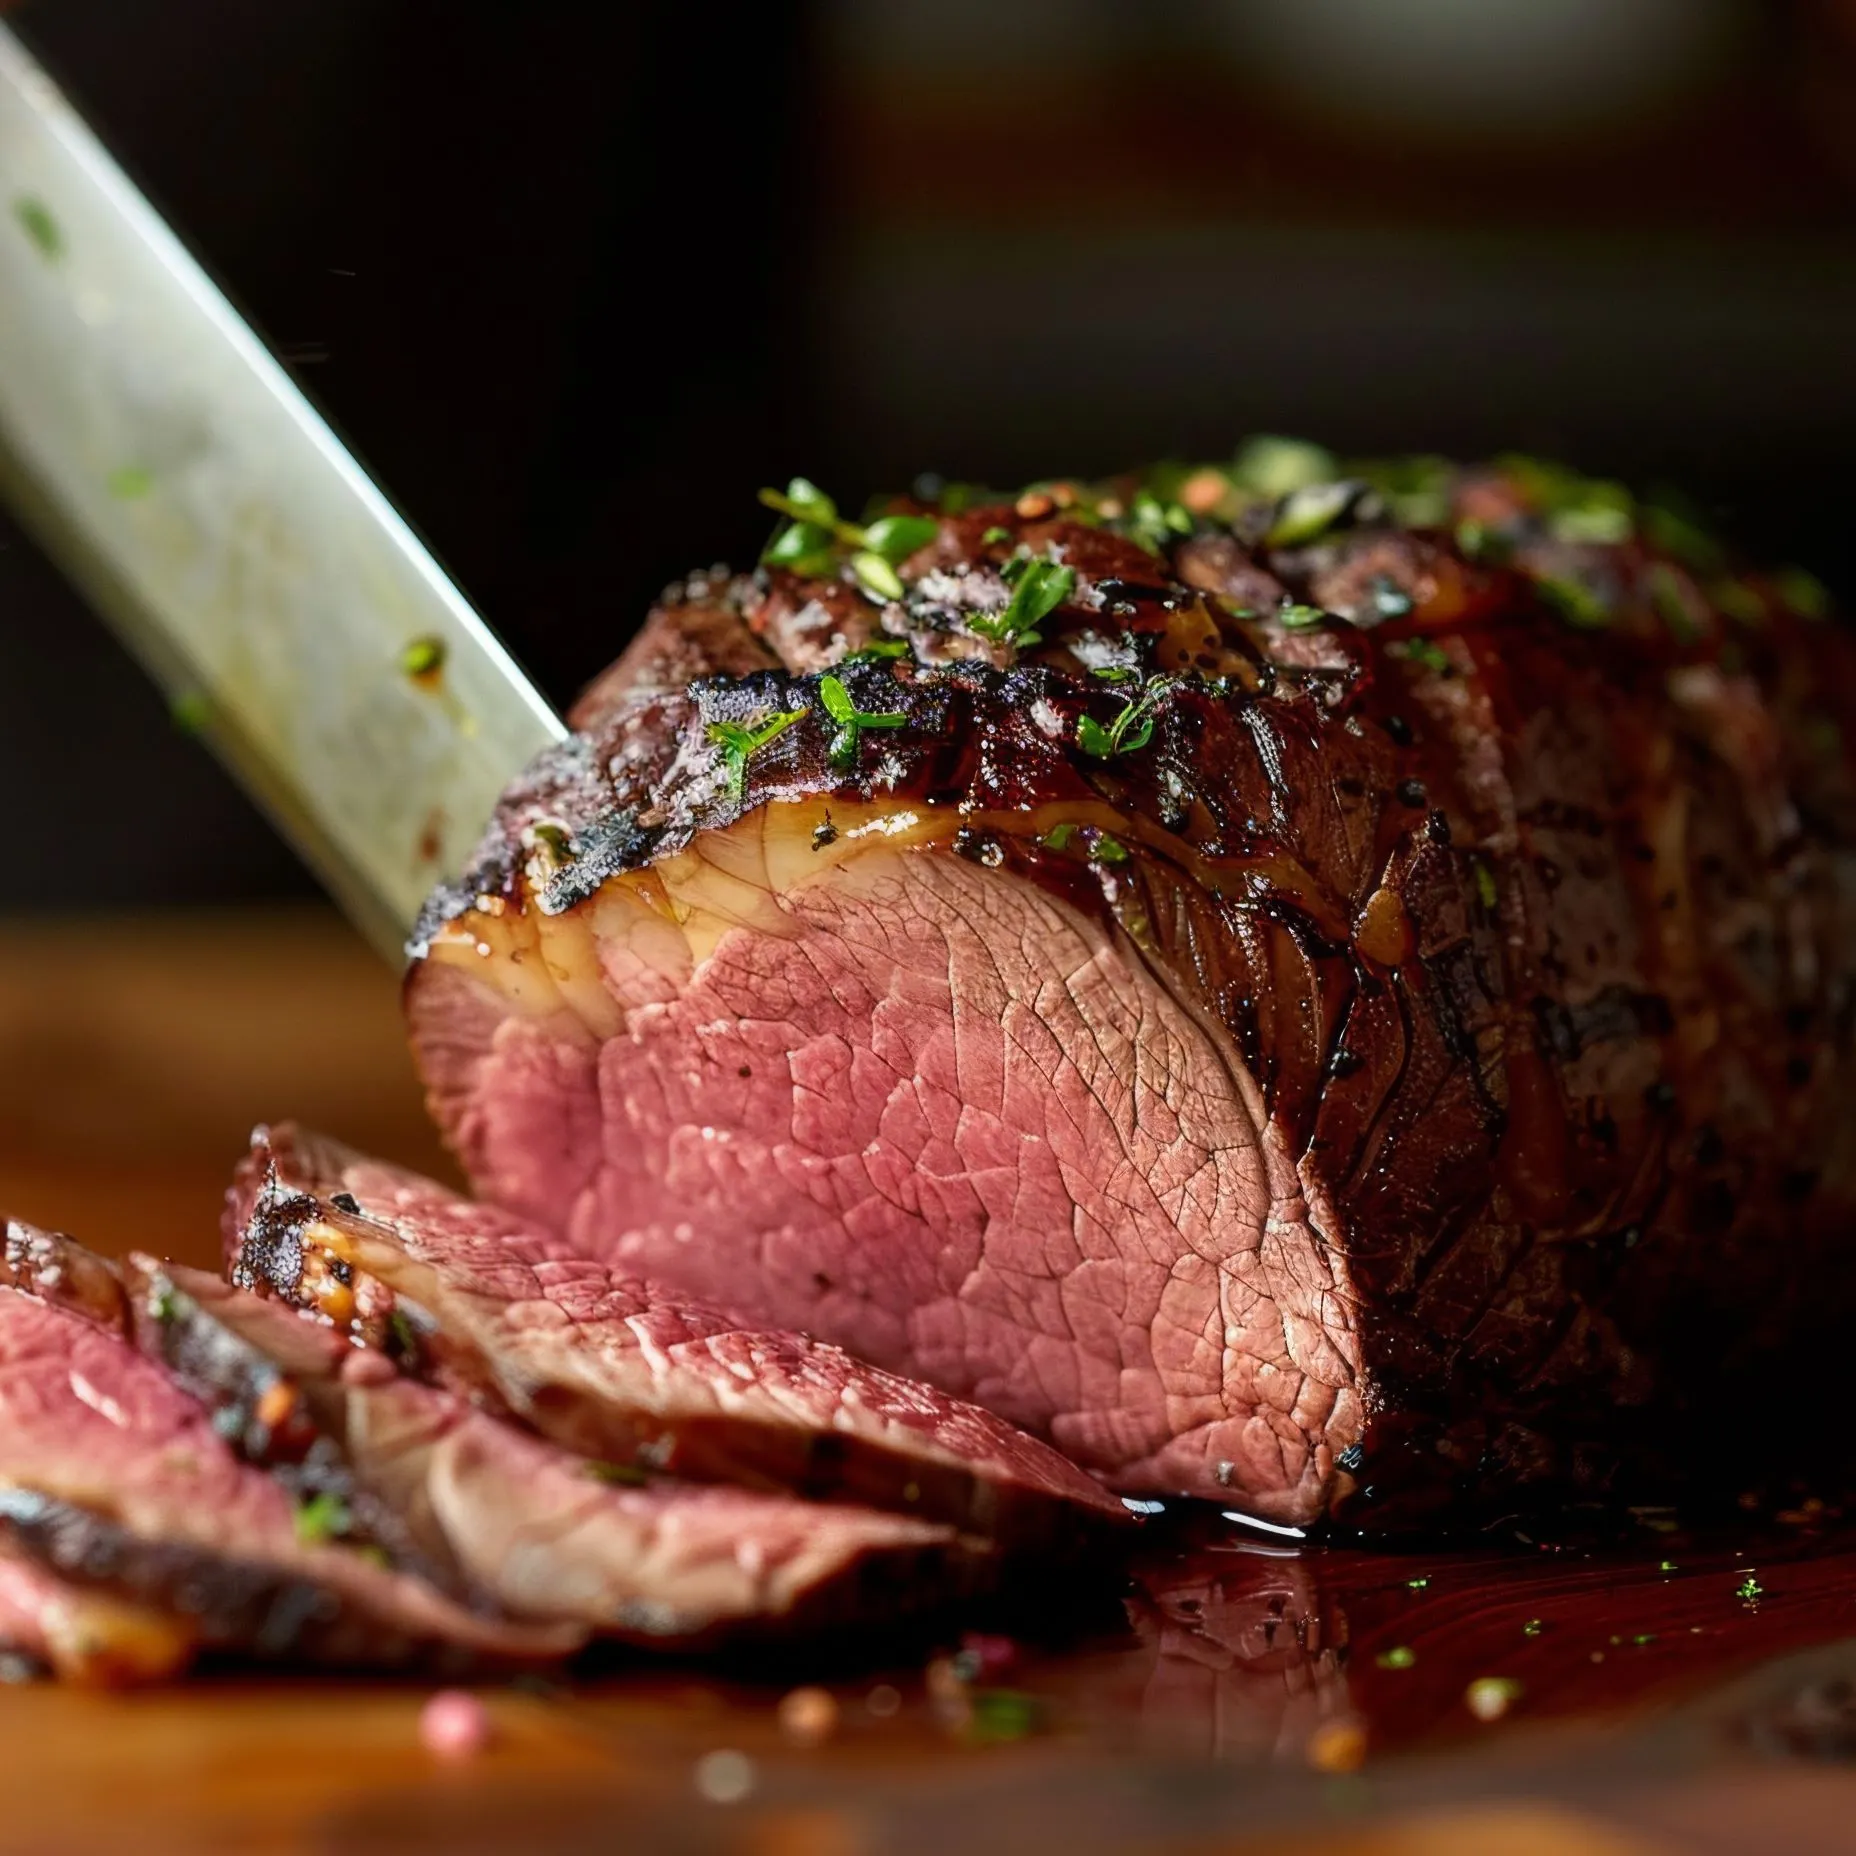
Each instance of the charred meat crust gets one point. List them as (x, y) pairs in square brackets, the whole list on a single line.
[(1505, 832)]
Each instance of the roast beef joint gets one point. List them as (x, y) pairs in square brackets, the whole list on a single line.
[(1333, 1001)]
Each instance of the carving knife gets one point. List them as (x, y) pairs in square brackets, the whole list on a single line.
[(171, 466)]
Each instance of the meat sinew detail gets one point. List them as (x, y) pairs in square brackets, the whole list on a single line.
[(1292, 997)]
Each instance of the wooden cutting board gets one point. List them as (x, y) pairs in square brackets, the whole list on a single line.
[(135, 1056)]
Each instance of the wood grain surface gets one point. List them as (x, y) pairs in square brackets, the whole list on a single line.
[(134, 1057)]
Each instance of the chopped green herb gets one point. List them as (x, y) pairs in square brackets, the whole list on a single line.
[(163, 1305), (191, 711), (739, 743), (878, 649), (1058, 836), (1643, 1637), (1113, 673), (617, 1475), (555, 839), (1575, 602), (1400, 1658), (1669, 596), (323, 1517), (1042, 586), (1296, 618), (1486, 892), (996, 1715), (1417, 1585), (1750, 1588), (1477, 541), (1677, 532), (804, 501), (424, 657), (1418, 489), (1308, 513), (875, 575), (994, 536), (1667, 1566), (851, 721), (806, 548), (1107, 850), (895, 538), (1737, 601), (1804, 593), (1154, 524), (402, 1336), (1427, 652), (1131, 730), (1532, 1628), (36, 220), (129, 481), (1279, 466)]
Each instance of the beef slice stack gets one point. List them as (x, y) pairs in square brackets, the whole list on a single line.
[(409, 1433)]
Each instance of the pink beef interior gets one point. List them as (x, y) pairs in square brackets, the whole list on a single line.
[(930, 1112)]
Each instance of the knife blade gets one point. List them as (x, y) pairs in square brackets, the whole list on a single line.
[(179, 476)]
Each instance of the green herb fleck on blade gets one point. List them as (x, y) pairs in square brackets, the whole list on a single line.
[(1417, 1585), (739, 743), (1486, 892), (191, 711), (1059, 836), (851, 721), (322, 1518), (129, 481), (163, 1305), (1749, 1590), (1107, 850), (1296, 618), (1399, 1657), (36, 221), (423, 658), (1038, 589), (1532, 1628)]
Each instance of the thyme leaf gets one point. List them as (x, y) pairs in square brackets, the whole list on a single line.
[(739, 743), (851, 720), (1039, 588)]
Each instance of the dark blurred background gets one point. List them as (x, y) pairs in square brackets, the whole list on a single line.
[(575, 279)]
